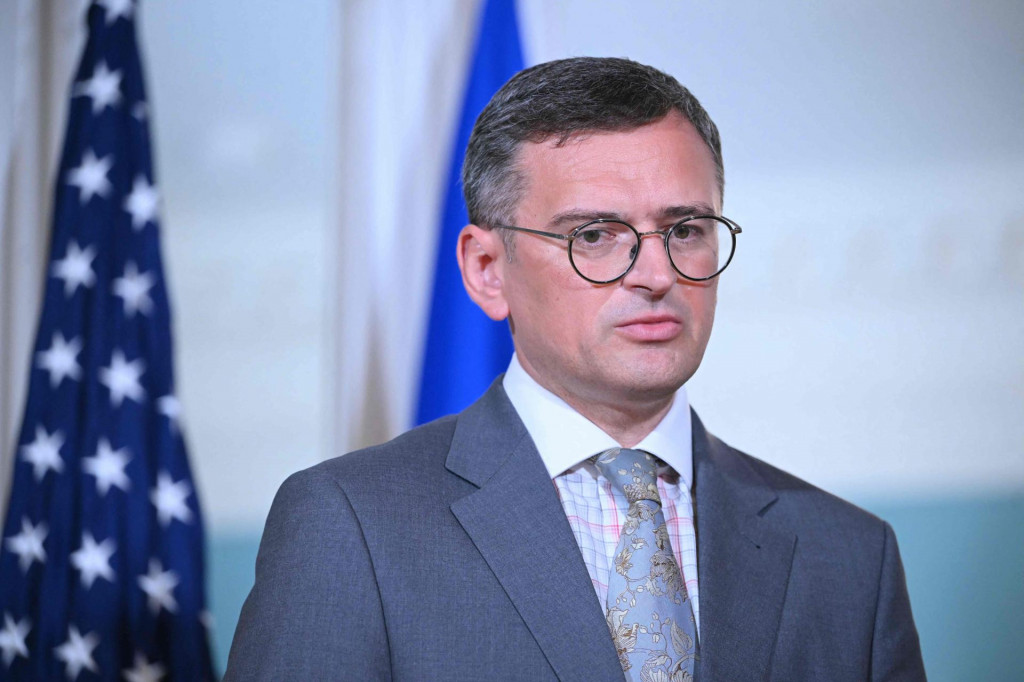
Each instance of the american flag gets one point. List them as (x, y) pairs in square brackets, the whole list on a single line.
[(101, 560)]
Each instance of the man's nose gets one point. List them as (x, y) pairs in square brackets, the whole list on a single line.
[(652, 268)]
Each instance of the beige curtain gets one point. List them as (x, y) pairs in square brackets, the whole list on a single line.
[(40, 41)]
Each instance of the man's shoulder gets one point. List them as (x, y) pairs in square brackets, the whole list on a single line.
[(799, 502), (415, 455)]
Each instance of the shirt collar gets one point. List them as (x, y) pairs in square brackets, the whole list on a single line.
[(564, 437)]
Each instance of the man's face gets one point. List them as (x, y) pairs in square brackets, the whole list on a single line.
[(639, 339)]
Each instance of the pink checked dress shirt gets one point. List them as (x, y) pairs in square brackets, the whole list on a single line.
[(567, 441)]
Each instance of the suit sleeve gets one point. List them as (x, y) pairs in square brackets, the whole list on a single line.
[(314, 611), (895, 651)]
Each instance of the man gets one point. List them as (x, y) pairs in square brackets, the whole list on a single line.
[(554, 529)]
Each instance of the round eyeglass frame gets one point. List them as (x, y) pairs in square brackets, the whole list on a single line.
[(734, 230)]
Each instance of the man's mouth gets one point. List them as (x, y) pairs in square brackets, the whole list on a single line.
[(652, 327)]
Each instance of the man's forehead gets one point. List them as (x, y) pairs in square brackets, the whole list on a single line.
[(593, 170), (566, 148), (557, 139)]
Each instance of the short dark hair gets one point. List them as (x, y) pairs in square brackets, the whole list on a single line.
[(561, 99)]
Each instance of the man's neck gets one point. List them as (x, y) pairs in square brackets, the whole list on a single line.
[(627, 419), (627, 426)]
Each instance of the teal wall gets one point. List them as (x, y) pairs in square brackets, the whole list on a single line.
[(965, 571), (964, 560)]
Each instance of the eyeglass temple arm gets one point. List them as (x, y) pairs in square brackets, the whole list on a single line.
[(733, 227), (563, 237)]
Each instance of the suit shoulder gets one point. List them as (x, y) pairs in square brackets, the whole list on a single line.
[(414, 454), (808, 504)]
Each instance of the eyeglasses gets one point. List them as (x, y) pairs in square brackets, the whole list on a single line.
[(602, 251)]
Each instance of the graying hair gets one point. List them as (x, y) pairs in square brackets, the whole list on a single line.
[(561, 99)]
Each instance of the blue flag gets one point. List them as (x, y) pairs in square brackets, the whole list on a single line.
[(464, 348), (101, 560)]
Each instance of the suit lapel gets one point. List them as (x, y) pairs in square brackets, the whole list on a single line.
[(517, 523), (744, 563)]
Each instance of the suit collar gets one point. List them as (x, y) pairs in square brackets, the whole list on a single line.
[(519, 527), (744, 560), (486, 434)]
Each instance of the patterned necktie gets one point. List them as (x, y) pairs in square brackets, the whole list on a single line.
[(649, 613)]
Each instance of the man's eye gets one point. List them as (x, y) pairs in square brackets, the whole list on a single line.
[(593, 236), (682, 232)]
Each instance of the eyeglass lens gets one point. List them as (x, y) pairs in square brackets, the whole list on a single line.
[(699, 248)]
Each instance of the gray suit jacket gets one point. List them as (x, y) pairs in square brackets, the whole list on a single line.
[(445, 555)]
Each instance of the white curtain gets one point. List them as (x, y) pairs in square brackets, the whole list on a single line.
[(40, 41), (401, 80)]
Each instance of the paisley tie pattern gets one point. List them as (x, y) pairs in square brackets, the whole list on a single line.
[(648, 612)]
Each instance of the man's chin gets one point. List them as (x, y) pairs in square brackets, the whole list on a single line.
[(651, 361), (652, 381)]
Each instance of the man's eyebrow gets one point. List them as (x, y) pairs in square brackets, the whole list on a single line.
[(685, 210), (576, 217)]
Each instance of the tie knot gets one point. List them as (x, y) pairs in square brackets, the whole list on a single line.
[(634, 472)]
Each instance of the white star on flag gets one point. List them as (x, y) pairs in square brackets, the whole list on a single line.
[(116, 8), (75, 268), (169, 407), (107, 465), (169, 499), (144, 671), (139, 111), (122, 378), (104, 88), (142, 203), (60, 359), (76, 653), (206, 618), (91, 177), (12, 638), (44, 452), (134, 288), (28, 544), (159, 587), (93, 560)]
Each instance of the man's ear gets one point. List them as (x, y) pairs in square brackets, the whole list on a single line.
[(481, 255)]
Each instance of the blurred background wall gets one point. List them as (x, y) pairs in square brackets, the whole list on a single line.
[(869, 334)]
